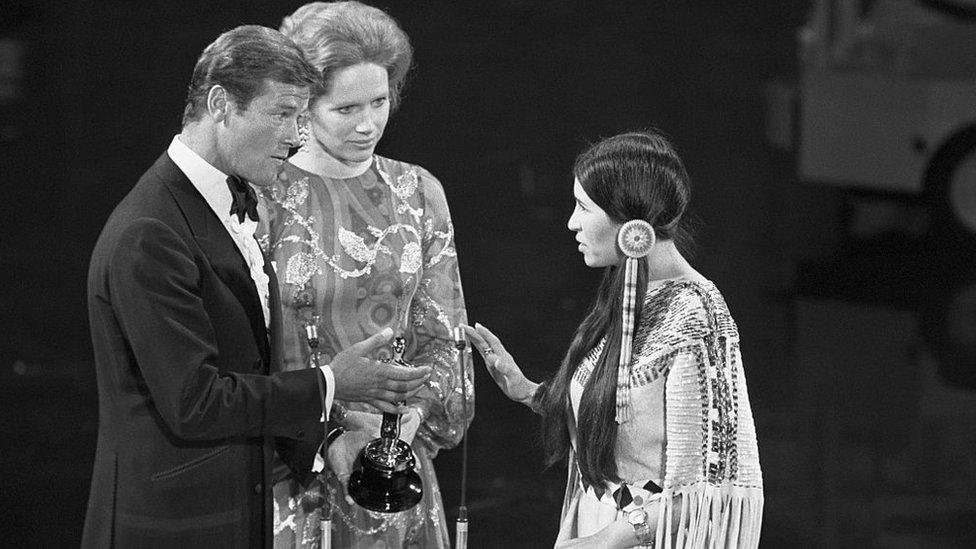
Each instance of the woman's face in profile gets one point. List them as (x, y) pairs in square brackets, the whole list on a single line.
[(595, 231), (348, 121)]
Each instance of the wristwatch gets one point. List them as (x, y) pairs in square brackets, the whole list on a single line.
[(638, 519)]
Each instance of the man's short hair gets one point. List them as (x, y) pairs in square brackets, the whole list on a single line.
[(241, 60)]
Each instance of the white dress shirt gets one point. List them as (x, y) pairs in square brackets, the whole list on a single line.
[(212, 184)]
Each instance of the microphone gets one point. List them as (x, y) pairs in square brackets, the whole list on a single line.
[(461, 526), (460, 340), (312, 339)]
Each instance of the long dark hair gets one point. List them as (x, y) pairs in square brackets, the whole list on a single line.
[(634, 175)]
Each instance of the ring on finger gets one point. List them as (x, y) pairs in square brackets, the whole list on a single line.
[(488, 350)]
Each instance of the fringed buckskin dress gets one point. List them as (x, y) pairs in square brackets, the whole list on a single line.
[(688, 454)]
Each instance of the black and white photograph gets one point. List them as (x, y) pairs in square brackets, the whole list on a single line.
[(500, 274)]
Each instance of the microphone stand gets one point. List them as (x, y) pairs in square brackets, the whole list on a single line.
[(325, 522), (461, 527)]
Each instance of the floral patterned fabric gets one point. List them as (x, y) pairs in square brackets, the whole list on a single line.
[(355, 256)]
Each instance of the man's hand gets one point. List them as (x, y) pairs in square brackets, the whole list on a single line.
[(342, 456), (362, 379)]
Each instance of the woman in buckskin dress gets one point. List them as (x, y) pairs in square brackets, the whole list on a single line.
[(360, 243), (649, 405)]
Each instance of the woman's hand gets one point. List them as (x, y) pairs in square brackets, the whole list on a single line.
[(409, 423), (617, 535), (370, 423), (589, 542), (342, 456), (501, 365), (362, 427)]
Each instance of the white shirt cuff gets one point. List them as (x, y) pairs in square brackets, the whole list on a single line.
[(318, 464), (329, 391)]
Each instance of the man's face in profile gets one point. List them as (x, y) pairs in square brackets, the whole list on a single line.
[(254, 140)]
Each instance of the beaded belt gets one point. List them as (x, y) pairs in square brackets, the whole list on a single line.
[(626, 497)]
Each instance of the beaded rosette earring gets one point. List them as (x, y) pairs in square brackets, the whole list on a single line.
[(635, 239)]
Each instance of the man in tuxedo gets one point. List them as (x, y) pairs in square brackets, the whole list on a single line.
[(184, 319)]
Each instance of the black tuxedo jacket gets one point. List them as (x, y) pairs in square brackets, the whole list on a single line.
[(189, 387)]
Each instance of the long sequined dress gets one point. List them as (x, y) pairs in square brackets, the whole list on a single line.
[(690, 447), (365, 253)]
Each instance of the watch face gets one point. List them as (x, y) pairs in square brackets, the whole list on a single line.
[(637, 516)]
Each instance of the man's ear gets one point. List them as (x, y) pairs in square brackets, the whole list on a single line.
[(218, 103)]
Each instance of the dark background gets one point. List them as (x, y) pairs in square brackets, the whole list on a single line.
[(503, 95)]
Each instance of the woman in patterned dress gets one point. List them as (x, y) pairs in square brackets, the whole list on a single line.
[(661, 447), (360, 243)]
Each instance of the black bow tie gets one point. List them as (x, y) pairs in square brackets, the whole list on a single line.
[(245, 202)]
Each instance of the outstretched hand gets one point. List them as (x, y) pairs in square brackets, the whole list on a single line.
[(383, 385), (501, 365)]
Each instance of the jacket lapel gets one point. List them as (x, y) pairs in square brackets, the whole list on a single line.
[(275, 326), (212, 237)]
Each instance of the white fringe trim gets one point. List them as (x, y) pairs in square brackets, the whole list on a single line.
[(710, 516)]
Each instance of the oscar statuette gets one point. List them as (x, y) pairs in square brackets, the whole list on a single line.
[(385, 477)]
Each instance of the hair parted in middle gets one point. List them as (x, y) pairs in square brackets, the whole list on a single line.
[(336, 35), (635, 175)]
